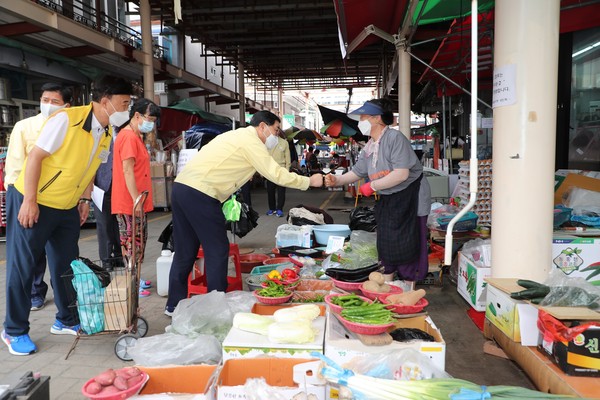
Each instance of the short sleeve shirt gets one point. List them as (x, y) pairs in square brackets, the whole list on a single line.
[(130, 145), (394, 152)]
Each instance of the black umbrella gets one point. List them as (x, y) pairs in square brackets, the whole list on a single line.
[(308, 135), (329, 115)]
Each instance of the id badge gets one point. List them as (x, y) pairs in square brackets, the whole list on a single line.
[(103, 156)]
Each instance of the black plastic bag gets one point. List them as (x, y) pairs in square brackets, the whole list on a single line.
[(166, 238), (102, 274), (299, 221), (363, 219), (407, 334), (248, 221)]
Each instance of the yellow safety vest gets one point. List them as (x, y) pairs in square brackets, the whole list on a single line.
[(65, 174)]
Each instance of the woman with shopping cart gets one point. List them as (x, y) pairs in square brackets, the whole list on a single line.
[(131, 177)]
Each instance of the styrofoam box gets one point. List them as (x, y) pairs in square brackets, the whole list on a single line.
[(468, 270), (242, 344)]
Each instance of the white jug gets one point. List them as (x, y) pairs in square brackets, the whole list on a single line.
[(163, 268)]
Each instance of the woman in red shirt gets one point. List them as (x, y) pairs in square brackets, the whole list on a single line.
[(131, 175)]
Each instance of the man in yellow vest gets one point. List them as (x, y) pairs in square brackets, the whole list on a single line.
[(22, 140), (52, 200)]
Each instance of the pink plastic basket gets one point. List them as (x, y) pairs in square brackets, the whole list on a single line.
[(272, 300), (347, 285), (365, 329), (334, 307), (124, 394), (402, 309), (380, 296)]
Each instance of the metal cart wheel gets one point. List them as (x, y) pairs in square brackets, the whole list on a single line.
[(123, 344), (142, 327)]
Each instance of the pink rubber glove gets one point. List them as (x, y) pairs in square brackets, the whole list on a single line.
[(366, 189)]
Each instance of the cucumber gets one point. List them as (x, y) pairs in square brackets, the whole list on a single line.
[(532, 293), (527, 284)]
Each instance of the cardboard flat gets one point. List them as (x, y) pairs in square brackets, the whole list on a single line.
[(177, 379), (509, 285), (575, 180), (546, 376)]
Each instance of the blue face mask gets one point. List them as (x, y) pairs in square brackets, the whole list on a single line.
[(146, 126)]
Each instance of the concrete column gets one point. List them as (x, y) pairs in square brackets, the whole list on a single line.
[(242, 91), (526, 37), (403, 91), (146, 25)]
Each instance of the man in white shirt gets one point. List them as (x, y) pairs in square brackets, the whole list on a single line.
[(22, 139)]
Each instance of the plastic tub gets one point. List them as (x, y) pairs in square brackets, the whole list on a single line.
[(124, 394), (322, 232), (380, 296), (272, 300), (276, 260), (254, 281), (403, 309), (249, 261)]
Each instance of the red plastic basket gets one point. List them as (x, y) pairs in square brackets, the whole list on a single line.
[(380, 296), (124, 394), (347, 285), (365, 329), (402, 309), (334, 307), (272, 300)]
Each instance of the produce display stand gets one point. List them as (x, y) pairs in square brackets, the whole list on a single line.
[(120, 304)]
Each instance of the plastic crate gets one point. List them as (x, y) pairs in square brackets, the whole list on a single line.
[(468, 222), (265, 269)]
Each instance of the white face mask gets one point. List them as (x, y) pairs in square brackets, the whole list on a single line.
[(117, 118), (47, 109), (271, 141), (146, 126), (365, 127)]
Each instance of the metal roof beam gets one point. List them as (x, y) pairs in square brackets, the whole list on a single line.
[(20, 28)]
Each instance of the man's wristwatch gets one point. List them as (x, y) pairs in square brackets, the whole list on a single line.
[(86, 201)]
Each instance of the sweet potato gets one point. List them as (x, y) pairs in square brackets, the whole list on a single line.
[(109, 389), (93, 388), (409, 298), (133, 371), (134, 380), (121, 383), (106, 378)]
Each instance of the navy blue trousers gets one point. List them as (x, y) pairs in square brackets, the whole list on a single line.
[(197, 218), (57, 231), (39, 287)]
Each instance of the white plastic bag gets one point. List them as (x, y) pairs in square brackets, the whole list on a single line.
[(170, 348), (210, 313)]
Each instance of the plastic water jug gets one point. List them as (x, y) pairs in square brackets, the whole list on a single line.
[(163, 268)]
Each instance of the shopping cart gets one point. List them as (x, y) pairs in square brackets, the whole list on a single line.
[(115, 307)]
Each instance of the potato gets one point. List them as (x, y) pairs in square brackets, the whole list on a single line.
[(106, 378), (377, 277), (371, 286), (93, 388), (385, 288), (121, 383)]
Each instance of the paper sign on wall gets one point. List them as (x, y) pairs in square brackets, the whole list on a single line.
[(504, 91), (185, 156)]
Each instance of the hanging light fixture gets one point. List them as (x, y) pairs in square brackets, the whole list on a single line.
[(24, 64)]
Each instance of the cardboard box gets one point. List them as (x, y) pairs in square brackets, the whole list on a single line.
[(579, 356), (117, 308), (193, 379), (157, 170), (161, 192), (471, 281), (546, 375), (242, 344), (342, 346), (575, 180), (291, 375), (573, 255), (511, 316)]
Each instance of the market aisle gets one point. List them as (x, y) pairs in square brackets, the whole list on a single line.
[(464, 359)]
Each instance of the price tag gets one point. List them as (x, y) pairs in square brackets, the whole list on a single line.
[(334, 243)]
